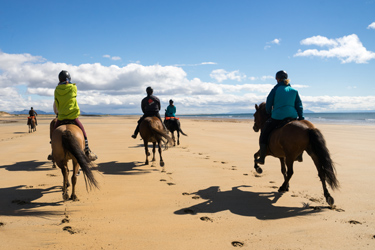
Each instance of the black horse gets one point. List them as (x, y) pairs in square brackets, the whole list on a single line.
[(173, 124)]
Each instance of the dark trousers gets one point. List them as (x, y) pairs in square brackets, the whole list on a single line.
[(269, 126)]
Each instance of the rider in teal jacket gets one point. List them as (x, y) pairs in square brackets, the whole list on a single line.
[(283, 102), (171, 110)]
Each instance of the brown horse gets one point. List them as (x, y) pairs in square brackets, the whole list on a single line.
[(151, 130), (32, 124), (68, 143), (288, 143)]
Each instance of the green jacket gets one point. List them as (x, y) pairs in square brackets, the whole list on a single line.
[(66, 102)]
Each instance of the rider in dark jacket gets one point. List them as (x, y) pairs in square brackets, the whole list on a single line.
[(32, 112), (150, 107)]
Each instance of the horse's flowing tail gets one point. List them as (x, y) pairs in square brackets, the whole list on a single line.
[(179, 128), (160, 133), (320, 150), (70, 144)]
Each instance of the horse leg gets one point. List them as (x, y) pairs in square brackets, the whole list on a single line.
[(289, 173), (256, 166), (173, 138), (178, 137), (327, 195), (74, 180), (145, 142), (283, 171), (65, 173), (153, 151), (161, 158)]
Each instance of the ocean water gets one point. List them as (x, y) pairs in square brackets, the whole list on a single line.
[(355, 118)]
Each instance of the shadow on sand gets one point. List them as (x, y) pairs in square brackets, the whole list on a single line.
[(27, 166), (122, 168), (246, 203), (19, 201)]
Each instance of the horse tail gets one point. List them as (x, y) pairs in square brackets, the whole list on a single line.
[(179, 128), (325, 164), (70, 144), (160, 132)]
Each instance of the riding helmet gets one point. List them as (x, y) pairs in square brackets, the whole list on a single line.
[(64, 76), (149, 90), (170, 101), (281, 75)]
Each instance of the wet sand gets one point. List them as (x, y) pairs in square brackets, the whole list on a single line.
[(207, 196)]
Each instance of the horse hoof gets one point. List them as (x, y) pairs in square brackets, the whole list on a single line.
[(146, 163), (283, 190), (74, 198), (330, 200), (148, 154), (65, 197), (259, 170), (162, 163)]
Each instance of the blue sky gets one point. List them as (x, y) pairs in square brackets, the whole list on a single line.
[(208, 56)]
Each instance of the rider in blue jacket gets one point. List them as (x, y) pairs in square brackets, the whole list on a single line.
[(171, 110), (283, 102)]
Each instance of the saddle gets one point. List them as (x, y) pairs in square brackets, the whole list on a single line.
[(172, 118), (29, 119), (284, 122), (66, 122)]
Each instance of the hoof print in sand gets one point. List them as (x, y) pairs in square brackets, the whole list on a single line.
[(355, 222), (65, 220), (69, 229), (51, 175), (237, 244), (196, 197), (20, 202), (2, 224), (163, 180), (171, 183), (189, 211), (205, 218), (185, 193)]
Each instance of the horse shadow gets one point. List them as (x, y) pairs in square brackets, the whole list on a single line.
[(20, 133), (27, 166), (121, 168), (260, 205), (20, 201)]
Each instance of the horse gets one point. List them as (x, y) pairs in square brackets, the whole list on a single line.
[(151, 130), (68, 143), (31, 124), (289, 142), (173, 124)]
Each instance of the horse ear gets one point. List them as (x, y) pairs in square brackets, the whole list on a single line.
[(256, 107)]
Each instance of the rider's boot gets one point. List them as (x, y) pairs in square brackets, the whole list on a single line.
[(263, 152), (135, 133), (90, 155)]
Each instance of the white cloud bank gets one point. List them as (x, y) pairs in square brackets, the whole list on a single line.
[(347, 49), (29, 81)]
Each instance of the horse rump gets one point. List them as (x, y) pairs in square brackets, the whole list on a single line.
[(71, 145)]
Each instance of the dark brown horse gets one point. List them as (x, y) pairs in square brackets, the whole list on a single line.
[(31, 123), (289, 142), (68, 143), (173, 124), (151, 130)]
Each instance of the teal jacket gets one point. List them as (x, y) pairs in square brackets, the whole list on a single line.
[(171, 111), (284, 102)]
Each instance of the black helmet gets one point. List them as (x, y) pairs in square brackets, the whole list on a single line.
[(281, 75), (149, 90), (31, 107), (64, 76), (170, 101)]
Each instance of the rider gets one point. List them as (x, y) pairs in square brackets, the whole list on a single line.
[(67, 107), (33, 113), (282, 102), (150, 107), (171, 110)]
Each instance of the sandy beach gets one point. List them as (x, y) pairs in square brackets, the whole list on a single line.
[(207, 196)]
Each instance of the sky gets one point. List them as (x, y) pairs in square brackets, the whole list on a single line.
[(209, 56)]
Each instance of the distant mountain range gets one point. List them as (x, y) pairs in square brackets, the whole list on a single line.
[(41, 112)]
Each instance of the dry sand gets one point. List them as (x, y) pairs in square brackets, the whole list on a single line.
[(207, 196)]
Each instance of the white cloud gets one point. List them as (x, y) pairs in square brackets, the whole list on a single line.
[(371, 26), (274, 41), (29, 81), (222, 75), (114, 58), (347, 49)]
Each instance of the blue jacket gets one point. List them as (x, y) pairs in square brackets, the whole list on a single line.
[(284, 102), (171, 111)]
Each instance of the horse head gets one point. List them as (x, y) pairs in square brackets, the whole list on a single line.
[(260, 116)]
